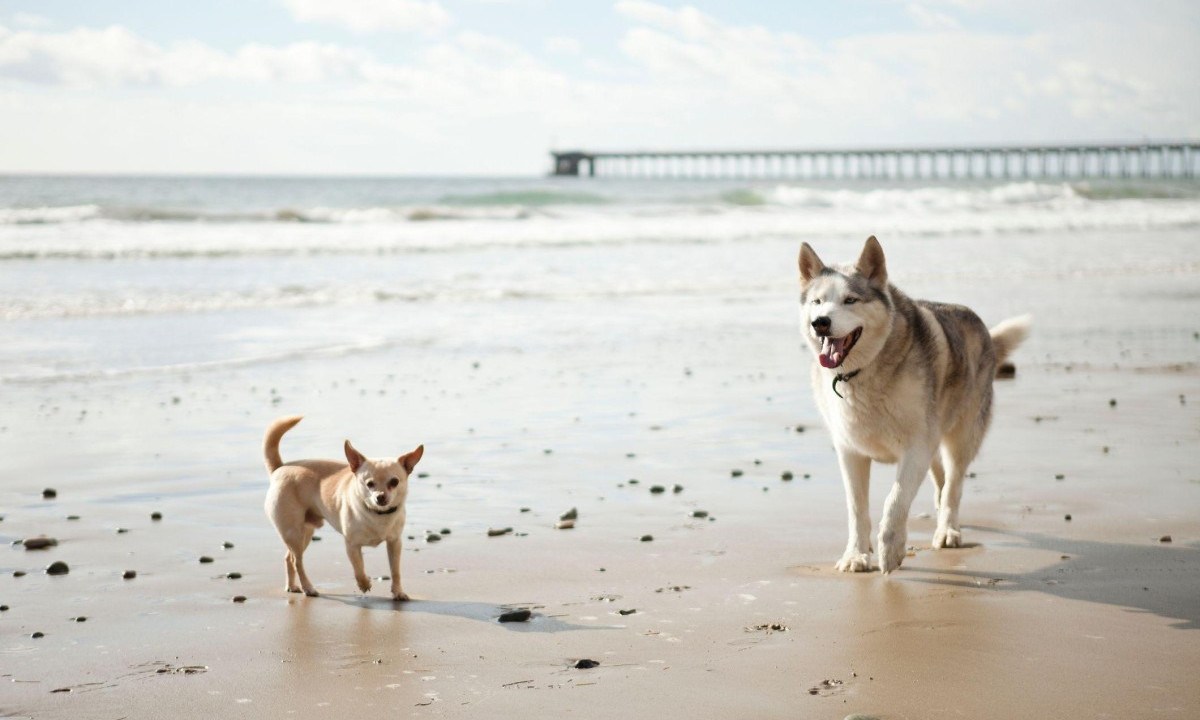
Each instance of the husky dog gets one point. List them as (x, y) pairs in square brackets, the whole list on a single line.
[(898, 381)]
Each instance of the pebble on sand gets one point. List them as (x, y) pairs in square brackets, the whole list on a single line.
[(1067, 517), (564, 524), (156, 515), (786, 475), (239, 598), (129, 574), (586, 664), (699, 513), (3, 608), (432, 537), (205, 559), (37, 635), (657, 489), (647, 538), (234, 576), (515, 616), (1165, 539), (49, 493), (58, 567), (572, 514), (627, 612), (41, 542), (676, 488), (496, 532), (227, 545), (735, 473), (1006, 371)]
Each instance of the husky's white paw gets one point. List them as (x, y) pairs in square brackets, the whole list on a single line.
[(854, 561), (946, 537), (891, 551)]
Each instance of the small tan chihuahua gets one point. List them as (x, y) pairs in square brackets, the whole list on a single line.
[(363, 501)]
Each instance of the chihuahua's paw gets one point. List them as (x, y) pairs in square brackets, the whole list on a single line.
[(891, 551), (364, 584), (293, 588), (854, 561), (400, 596), (947, 537), (312, 592)]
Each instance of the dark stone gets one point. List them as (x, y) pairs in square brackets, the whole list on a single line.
[(239, 598), (40, 542), (1067, 517), (657, 489), (735, 473), (516, 616), (445, 531), (204, 559), (3, 608), (156, 515), (58, 567), (524, 509), (1165, 539), (633, 481), (647, 538), (586, 664), (1060, 476), (676, 488), (37, 635), (626, 612), (497, 532), (1112, 402), (81, 618), (49, 493), (572, 514), (432, 537), (18, 573), (227, 545), (786, 476), (234, 576), (699, 513), (72, 517), (1006, 371), (129, 574), (122, 531)]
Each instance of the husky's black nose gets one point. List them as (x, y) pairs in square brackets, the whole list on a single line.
[(822, 325)]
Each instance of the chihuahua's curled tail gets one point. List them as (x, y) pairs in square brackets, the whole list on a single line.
[(274, 435)]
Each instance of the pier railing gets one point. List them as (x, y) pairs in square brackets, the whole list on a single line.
[(1158, 159)]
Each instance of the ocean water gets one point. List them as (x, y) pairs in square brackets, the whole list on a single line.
[(124, 276)]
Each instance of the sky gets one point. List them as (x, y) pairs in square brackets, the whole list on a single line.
[(489, 87)]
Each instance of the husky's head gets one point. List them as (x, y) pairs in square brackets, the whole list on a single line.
[(845, 313)]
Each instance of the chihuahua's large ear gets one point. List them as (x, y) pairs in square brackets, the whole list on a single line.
[(354, 457), (810, 265), (871, 264), (410, 460)]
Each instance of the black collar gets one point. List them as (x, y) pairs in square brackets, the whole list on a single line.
[(846, 377), (389, 511)]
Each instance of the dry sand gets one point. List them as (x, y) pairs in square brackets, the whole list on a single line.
[(1039, 616)]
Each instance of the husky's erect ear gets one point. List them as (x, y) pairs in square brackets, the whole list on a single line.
[(354, 457), (810, 265), (410, 460), (871, 264)]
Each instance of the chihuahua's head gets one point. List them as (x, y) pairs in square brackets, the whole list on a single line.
[(383, 483)]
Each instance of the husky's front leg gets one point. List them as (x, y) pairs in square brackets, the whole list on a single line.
[(856, 474), (893, 528)]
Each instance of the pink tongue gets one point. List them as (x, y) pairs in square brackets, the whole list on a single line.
[(831, 352)]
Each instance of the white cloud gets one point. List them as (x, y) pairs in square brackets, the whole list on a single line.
[(931, 19), (368, 16)]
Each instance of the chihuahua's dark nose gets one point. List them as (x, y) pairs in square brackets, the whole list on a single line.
[(822, 325), (381, 499)]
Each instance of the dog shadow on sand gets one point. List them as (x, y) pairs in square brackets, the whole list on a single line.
[(1156, 578), (480, 612)]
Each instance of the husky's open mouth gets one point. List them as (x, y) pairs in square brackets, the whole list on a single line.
[(835, 350)]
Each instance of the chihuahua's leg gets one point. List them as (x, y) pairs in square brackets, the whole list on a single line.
[(393, 547), (356, 560), (290, 563), (298, 548)]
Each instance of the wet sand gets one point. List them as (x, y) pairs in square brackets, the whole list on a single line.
[(1040, 616)]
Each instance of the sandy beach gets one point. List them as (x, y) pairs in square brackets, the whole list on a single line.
[(1077, 596)]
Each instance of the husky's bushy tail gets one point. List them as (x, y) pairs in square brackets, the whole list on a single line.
[(271, 441), (1008, 335)]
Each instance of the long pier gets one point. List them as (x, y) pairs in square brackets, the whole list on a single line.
[(1158, 159)]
